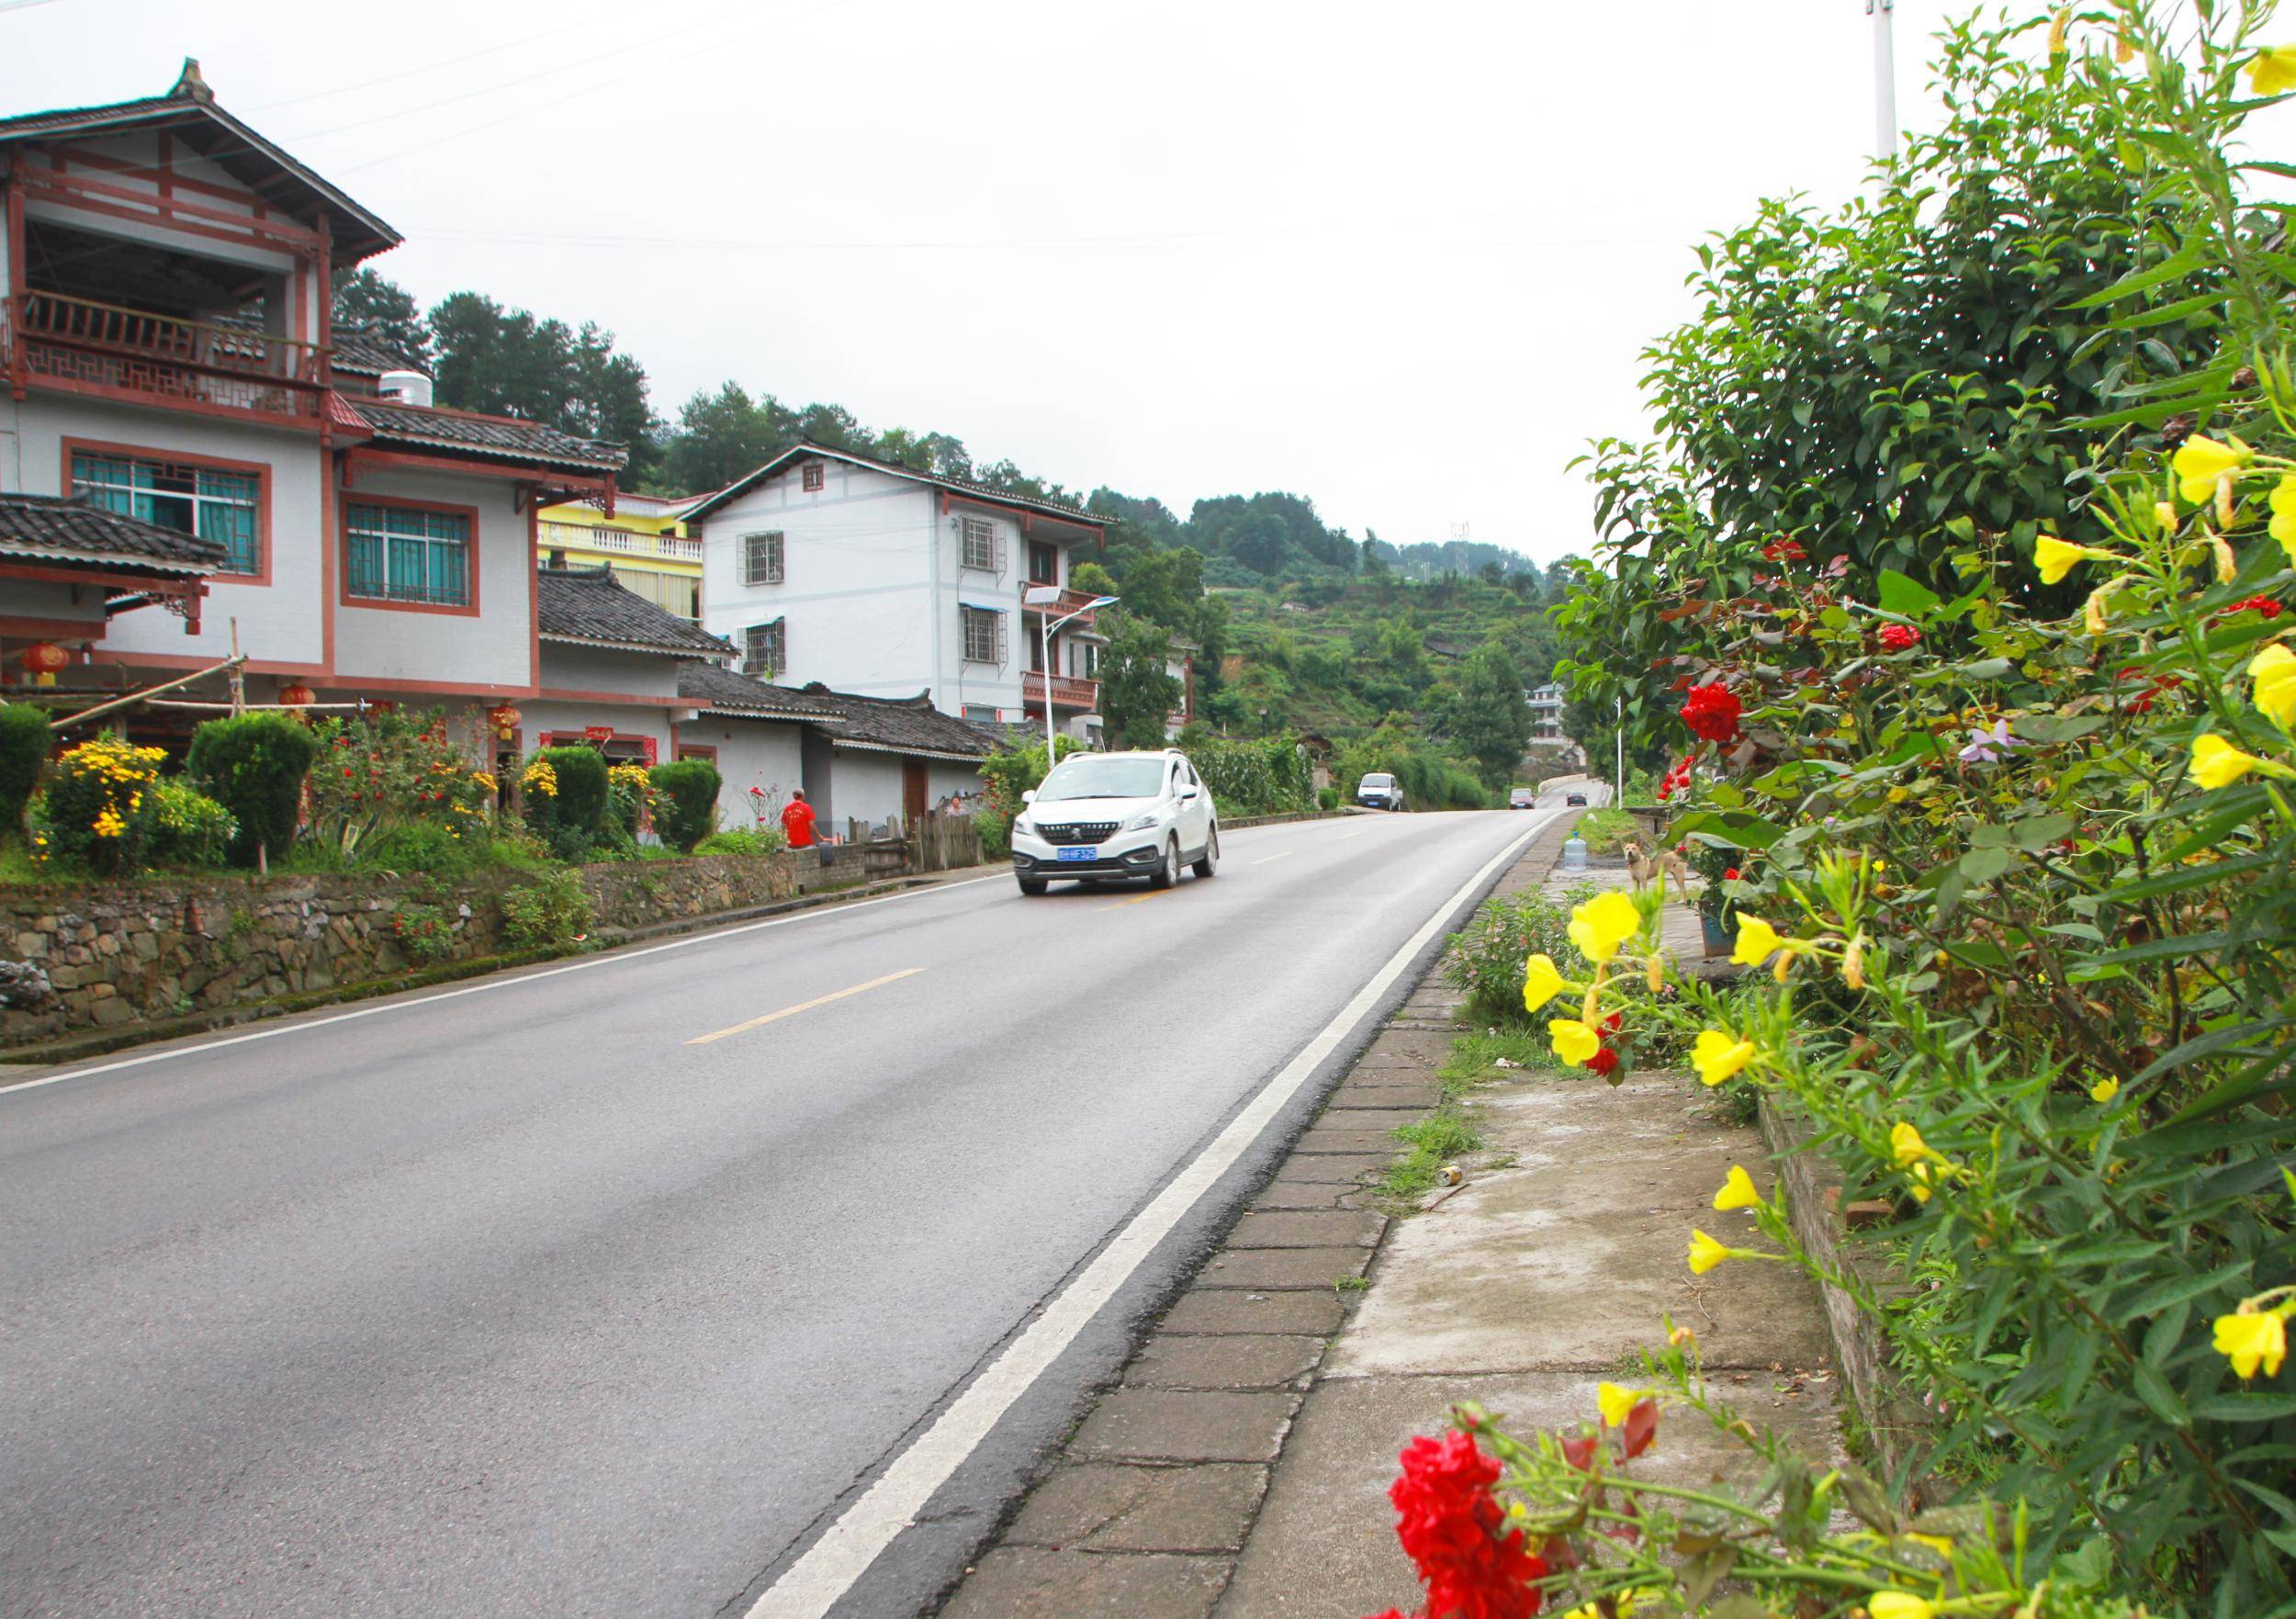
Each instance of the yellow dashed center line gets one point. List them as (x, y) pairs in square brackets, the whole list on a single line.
[(703, 1040)]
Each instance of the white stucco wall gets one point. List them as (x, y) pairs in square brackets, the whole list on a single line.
[(751, 753), (279, 622), (493, 650), (867, 787), (595, 668)]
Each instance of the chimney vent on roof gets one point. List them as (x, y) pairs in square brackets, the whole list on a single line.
[(409, 388)]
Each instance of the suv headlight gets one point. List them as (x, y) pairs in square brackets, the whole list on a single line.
[(1147, 823), (1025, 827)]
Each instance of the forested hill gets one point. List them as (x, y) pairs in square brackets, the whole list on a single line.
[(511, 361)]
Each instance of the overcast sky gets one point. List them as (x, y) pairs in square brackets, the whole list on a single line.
[(1399, 259)]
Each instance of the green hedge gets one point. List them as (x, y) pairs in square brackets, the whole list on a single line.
[(253, 765), (686, 811), (24, 739)]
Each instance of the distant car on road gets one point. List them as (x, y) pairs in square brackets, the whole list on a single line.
[(1575, 801), (1523, 798), (1380, 791), (1116, 814)]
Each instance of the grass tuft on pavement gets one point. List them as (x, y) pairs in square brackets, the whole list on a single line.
[(1474, 1057), (1429, 1144)]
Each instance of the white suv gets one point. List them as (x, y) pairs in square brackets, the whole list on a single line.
[(1116, 814)]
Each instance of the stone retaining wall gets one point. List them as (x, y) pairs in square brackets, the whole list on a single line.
[(135, 953)]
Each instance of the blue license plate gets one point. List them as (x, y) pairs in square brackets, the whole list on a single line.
[(1079, 854)]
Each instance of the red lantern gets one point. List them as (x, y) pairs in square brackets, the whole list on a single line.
[(44, 660), (504, 719), (297, 695)]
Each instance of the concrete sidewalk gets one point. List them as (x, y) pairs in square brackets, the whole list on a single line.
[(1242, 1468)]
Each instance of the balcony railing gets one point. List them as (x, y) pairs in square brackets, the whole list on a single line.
[(1070, 601), (77, 340), (1068, 692), (620, 542)]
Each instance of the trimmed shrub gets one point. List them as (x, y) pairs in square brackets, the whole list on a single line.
[(567, 796), (685, 806), (24, 742), (253, 765)]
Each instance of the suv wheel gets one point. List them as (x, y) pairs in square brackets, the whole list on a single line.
[(1167, 868), (1032, 886), (1205, 867)]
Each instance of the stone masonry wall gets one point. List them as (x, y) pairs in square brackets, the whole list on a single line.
[(122, 953)]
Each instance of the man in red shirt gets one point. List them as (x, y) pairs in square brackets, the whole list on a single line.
[(797, 820)]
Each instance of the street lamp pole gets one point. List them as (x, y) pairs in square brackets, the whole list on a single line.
[(1884, 80), (1043, 597)]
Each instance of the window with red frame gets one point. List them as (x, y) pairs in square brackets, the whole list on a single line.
[(816, 475)]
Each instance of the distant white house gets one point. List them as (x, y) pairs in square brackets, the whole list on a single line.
[(825, 565)]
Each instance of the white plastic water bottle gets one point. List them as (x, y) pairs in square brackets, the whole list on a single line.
[(1574, 853)]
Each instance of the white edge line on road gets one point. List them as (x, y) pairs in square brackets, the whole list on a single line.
[(1284, 856), (833, 1563), (818, 914)]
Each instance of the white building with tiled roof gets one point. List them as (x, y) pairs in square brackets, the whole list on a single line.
[(885, 580)]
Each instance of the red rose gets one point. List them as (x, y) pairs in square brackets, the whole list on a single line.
[(1898, 637), (1712, 712), (1453, 1527), (1605, 1061)]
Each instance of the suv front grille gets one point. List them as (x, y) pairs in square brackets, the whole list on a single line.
[(1082, 832)]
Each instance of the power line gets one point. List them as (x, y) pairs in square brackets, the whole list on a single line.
[(410, 71)]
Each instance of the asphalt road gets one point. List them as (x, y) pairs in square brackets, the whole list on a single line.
[(522, 1301)]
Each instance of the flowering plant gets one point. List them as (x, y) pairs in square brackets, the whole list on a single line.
[(98, 806)]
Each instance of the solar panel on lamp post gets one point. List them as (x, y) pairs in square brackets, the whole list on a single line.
[(1043, 597)]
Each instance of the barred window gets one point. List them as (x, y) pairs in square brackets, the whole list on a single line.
[(816, 475), (765, 648), (761, 558), (214, 505), (408, 553), (983, 635), (984, 547)]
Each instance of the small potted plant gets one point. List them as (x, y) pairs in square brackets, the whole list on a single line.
[(1717, 864)]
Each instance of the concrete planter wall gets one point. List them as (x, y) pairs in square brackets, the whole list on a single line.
[(127, 953)]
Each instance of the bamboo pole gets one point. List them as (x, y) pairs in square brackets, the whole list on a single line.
[(231, 663)]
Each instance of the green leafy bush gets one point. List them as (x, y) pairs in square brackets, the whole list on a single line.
[(1269, 776), (763, 840), (424, 932), (25, 740), (187, 827), (1327, 798), (1485, 958), (685, 809), (255, 765), (552, 912)]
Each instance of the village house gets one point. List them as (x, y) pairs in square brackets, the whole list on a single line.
[(825, 565), (167, 363), (644, 542)]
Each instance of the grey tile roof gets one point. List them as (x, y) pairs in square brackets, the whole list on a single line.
[(588, 607), (190, 112), (907, 725), (496, 437), (362, 352), (73, 528), (712, 686), (979, 492)]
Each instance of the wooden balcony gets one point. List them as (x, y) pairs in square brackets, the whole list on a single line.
[(1070, 601), (84, 346), (1067, 691)]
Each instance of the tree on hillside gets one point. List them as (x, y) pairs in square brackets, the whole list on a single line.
[(718, 437), (369, 302), (508, 362), (1092, 580), (1137, 692), (1489, 718)]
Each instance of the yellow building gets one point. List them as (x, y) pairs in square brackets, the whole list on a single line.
[(644, 542)]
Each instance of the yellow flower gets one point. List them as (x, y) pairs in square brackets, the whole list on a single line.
[(2274, 671), (1900, 794), (2058, 24), (1603, 923), (2274, 69), (2253, 1339), (2105, 1089), (1756, 941), (1738, 1191), (1573, 1041), (2217, 763), (2227, 564), (1541, 983), (2282, 527), (1615, 1402), (1919, 1175), (1716, 1056), (2056, 557), (1853, 962), (1898, 1604), (1906, 1147), (1704, 1253), (2201, 461)]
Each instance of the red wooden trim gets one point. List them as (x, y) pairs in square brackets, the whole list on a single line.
[(156, 206), (446, 461), (328, 505), (950, 499), (262, 470), (612, 699), (339, 681), (469, 515), (54, 629), (16, 272), (583, 739), (534, 592), (60, 572), (198, 660), (323, 303), (88, 157), (705, 752), (133, 396)]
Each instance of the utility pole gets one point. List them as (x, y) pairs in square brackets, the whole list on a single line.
[(1884, 80)]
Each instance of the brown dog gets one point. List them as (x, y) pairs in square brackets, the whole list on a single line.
[(1642, 868)]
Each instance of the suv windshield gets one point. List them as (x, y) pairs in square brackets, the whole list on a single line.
[(1379, 782), (1103, 777)]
